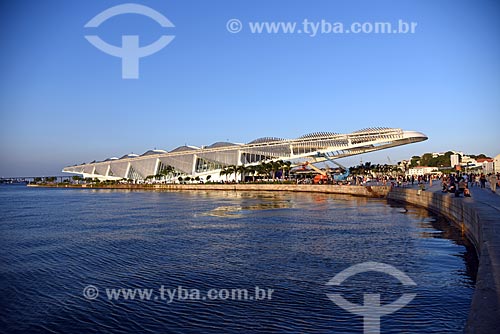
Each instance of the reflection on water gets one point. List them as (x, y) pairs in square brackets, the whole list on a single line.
[(54, 242), (438, 227), (249, 204)]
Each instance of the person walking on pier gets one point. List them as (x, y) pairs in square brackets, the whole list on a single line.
[(482, 180), (493, 182), (476, 180)]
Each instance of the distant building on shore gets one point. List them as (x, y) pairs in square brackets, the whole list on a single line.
[(421, 170), (207, 162), (455, 160), (487, 164), (461, 162)]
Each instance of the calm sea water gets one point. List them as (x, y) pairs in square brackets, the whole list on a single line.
[(56, 242)]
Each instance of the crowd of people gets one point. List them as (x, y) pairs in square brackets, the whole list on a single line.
[(399, 181), (460, 183), (457, 183)]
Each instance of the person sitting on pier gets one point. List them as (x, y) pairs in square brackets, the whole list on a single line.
[(466, 191), (444, 184), (452, 187), (461, 187)]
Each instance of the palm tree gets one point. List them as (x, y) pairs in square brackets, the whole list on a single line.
[(275, 167), (222, 172), (228, 170), (242, 170), (285, 167), (167, 171), (233, 169), (252, 170), (265, 168)]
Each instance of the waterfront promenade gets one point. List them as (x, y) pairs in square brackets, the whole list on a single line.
[(478, 217)]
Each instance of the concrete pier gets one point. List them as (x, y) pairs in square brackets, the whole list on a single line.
[(365, 191), (479, 218)]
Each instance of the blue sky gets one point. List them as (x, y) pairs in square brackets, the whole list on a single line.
[(62, 101)]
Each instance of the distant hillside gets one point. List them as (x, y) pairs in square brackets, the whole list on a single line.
[(428, 159)]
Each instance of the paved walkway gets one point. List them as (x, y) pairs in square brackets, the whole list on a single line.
[(478, 195), (481, 215)]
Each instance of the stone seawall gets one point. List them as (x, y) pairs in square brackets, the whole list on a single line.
[(365, 191), (480, 221)]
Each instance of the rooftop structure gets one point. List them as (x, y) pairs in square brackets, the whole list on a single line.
[(210, 160)]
